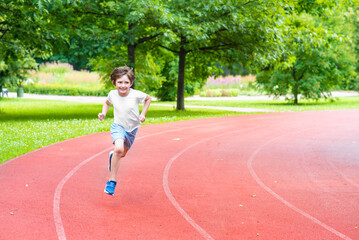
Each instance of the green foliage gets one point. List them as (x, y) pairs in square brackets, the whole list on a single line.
[(14, 72), (313, 61), (206, 36), (27, 30), (168, 91), (105, 64), (148, 74), (205, 33), (353, 83), (112, 29), (60, 79), (232, 92), (148, 70), (346, 24), (355, 17), (64, 89)]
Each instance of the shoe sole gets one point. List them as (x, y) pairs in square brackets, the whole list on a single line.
[(108, 192)]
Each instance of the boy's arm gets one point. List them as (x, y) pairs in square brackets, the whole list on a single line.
[(105, 108), (146, 105)]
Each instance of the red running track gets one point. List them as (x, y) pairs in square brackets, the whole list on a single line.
[(270, 176)]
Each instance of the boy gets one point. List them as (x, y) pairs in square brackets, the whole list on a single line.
[(127, 119)]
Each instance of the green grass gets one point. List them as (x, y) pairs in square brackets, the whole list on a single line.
[(283, 106), (27, 124)]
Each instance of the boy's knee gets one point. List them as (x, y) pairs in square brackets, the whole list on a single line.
[(119, 151)]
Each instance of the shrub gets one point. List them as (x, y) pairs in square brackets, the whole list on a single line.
[(211, 93), (220, 93), (233, 92), (60, 79), (64, 89)]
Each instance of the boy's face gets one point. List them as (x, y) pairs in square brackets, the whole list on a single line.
[(123, 85)]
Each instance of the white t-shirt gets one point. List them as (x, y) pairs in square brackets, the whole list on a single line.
[(126, 112)]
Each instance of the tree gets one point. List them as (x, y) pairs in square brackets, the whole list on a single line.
[(72, 51), (203, 33), (114, 30), (313, 60), (119, 29), (27, 30), (13, 72), (353, 83)]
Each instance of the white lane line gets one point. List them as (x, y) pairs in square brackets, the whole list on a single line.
[(173, 200), (56, 209), (341, 174), (285, 202), (56, 203), (168, 190)]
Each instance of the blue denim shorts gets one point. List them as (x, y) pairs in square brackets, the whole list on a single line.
[(118, 132)]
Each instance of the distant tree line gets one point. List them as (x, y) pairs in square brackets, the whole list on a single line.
[(296, 47)]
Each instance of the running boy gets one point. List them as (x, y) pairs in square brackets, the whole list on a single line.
[(127, 119)]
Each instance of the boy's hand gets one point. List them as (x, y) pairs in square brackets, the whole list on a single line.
[(101, 116), (142, 118)]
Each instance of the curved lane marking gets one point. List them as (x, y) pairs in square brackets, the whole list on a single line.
[(56, 203), (341, 174), (168, 190), (285, 202), (56, 209), (173, 200)]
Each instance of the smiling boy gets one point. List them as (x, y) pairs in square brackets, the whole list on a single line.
[(127, 119)]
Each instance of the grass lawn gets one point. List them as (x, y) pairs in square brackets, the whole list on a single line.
[(27, 124), (283, 106)]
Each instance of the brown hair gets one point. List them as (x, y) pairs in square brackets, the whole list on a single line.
[(122, 71)]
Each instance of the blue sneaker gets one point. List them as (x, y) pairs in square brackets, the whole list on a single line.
[(110, 187), (109, 161)]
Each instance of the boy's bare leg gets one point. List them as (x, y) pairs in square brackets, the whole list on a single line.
[(118, 153)]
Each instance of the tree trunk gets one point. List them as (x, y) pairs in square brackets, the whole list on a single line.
[(181, 72), (131, 53), (295, 93), (131, 49), (295, 89)]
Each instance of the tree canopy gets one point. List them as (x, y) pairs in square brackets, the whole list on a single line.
[(315, 57), (27, 30), (173, 45), (203, 33)]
